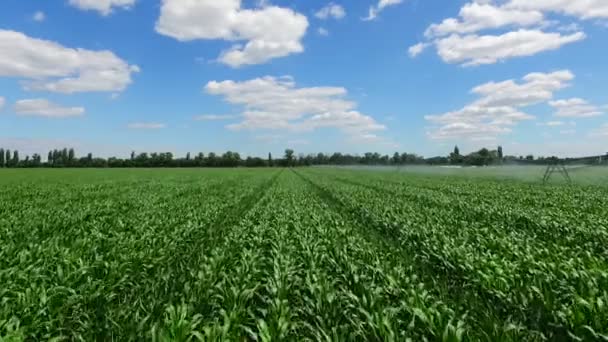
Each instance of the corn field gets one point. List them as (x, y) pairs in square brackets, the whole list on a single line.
[(299, 255)]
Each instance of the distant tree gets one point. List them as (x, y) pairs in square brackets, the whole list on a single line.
[(132, 155), (36, 160), (71, 156), (200, 159), (396, 158), (254, 162), (15, 160), (270, 159), (1, 157), (289, 157), (230, 159), (212, 160), (500, 153), (455, 157), (437, 160), (90, 157), (64, 156), (530, 157), (7, 158), (188, 156)]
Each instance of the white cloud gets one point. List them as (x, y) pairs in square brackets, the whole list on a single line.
[(382, 4), (146, 125), (39, 16), (278, 104), (417, 49), (536, 88), (475, 17), (497, 109), (575, 108), (323, 32), (49, 66), (471, 131), (331, 10), (2, 102), (522, 25), (471, 50), (214, 117), (45, 108), (104, 7), (583, 9), (268, 32)]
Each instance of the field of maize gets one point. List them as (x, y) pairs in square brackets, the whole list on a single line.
[(304, 254)]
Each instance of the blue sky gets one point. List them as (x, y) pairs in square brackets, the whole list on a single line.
[(111, 76)]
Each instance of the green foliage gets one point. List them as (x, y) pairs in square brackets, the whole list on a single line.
[(309, 254)]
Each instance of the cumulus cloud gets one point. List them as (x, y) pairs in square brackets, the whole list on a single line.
[(104, 7), (39, 16), (499, 107), (575, 108), (268, 32), (535, 88), (49, 66), (475, 17), (45, 108), (472, 50), (331, 10), (146, 125), (417, 49), (522, 26), (271, 103), (583, 9), (382, 4)]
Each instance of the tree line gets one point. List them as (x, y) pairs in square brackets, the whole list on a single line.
[(67, 158)]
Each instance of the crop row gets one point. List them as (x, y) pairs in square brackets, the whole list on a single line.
[(542, 287)]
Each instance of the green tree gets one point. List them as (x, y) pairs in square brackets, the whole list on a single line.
[(7, 158), (211, 160), (289, 157), (500, 153), (396, 158), (64, 156), (15, 161), (455, 157), (270, 159), (71, 156), (200, 159), (36, 160), (1, 157)]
